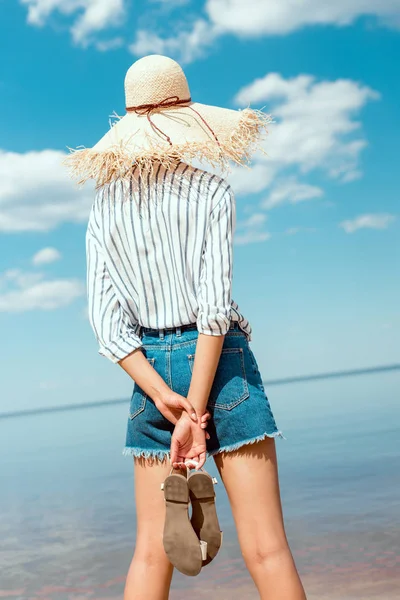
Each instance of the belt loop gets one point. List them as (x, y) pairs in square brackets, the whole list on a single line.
[(161, 333), (178, 332)]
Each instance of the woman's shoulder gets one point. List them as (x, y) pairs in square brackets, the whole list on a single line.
[(108, 193), (215, 185)]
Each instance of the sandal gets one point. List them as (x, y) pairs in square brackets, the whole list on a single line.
[(181, 543), (204, 514)]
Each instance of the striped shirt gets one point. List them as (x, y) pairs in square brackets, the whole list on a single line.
[(159, 255)]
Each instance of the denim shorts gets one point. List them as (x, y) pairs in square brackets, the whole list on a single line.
[(240, 410)]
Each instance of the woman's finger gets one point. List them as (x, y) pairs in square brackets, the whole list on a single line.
[(174, 450), (179, 465), (206, 417), (185, 404), (202, 460)]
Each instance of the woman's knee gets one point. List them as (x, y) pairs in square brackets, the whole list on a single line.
[(150, 552), (269, 554)]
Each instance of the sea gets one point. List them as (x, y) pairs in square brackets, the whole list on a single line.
[(67, 512)]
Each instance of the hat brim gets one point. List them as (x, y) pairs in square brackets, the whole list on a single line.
[(217, 136)]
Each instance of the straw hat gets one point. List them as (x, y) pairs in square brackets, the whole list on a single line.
[(163, 124)]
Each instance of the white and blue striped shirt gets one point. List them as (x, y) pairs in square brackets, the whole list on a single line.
[(159, 255)]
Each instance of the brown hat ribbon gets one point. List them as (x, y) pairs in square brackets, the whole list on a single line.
[(147, 109)]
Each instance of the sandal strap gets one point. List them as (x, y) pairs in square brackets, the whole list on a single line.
[(187, 463)]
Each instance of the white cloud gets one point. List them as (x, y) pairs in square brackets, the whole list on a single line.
[(316, 131), (368, 221), (19, 279), (252, 180), (90, 16), (316, 128), (252, 237), (255, 220), (272, 87), (24, 291), (44, 197), (185, 46), (277, 17), (252, 230), (316, 124), (259, 18), (291, 192), (351, 176), (46, 256)]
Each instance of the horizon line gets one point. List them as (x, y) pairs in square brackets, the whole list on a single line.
[(270, 382)]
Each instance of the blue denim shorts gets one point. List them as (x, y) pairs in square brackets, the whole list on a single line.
[(240, 410)]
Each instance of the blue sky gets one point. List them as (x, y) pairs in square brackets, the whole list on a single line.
[(317, 240)]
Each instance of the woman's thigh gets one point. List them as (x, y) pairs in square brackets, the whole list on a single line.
[(250, 476)]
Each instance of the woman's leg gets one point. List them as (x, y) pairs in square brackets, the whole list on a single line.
[(250, 476), (150, 572)]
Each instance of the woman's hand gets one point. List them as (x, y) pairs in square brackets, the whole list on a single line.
[(173, 405), (169, 403), (188, 442)]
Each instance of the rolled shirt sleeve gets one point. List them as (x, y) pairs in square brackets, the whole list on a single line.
[(216, 271), (115, 331)]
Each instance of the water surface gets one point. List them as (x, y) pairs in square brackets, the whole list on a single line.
[(67, 519)]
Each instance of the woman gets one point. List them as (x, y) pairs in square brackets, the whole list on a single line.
[(159, 254)]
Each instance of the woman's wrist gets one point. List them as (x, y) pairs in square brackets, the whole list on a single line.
[(166, 396), (201, 421), (162, 394)]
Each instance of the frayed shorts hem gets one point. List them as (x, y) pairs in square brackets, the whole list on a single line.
[(163, 455), (233, 447)]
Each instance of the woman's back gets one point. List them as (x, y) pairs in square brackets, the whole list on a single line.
[(160, 254)]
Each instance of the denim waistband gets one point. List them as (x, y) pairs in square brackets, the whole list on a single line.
[(178, 329)]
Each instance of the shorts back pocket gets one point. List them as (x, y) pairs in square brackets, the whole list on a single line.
[(230, 383), (138, 400)]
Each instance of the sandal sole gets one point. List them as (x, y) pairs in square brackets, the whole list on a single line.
[(204, 516), (181, 543)]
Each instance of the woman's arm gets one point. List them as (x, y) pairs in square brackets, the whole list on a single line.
[(169, 403), (212, 323), (114, 329), (208, 352), (215, 288)]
